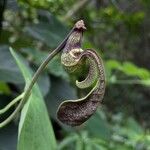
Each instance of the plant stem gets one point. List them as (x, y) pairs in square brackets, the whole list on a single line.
[(34, 79), (13, 102)]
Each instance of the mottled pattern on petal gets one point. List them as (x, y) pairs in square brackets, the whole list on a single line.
[(76, 112)]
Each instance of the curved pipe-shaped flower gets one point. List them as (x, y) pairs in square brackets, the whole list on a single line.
[(76, 112)]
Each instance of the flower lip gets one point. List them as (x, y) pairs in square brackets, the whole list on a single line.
[(80, 25)]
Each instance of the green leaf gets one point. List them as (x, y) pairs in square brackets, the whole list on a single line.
[(79, 144), (8, 69), (98, 147), (131, 69), (35, 129), (113, 64), (133, 129)]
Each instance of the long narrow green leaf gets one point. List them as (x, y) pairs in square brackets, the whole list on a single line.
[(35, 129)]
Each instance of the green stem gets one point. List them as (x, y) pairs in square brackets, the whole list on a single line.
[(13, 102), (34, 79)]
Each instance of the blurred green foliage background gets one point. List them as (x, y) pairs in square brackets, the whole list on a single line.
[(120, 32)]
